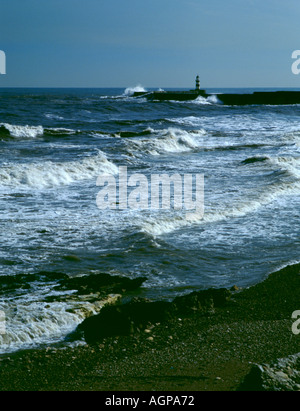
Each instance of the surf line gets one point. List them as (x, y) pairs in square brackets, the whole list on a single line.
[(160, 191)]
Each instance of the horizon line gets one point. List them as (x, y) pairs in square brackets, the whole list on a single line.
[(147, 87)]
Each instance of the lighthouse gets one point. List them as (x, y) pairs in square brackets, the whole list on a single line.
[(197, 83)]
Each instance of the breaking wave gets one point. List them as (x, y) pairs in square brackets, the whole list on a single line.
[(159, 226), (50, 174), (60, 131), (287, 183), (286, 165), (129, 91), (33, 322), (27, 132), (289, 165), (213, 99), (18, 131), (171, 140)]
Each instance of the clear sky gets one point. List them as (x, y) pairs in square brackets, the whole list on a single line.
[(155, 43)]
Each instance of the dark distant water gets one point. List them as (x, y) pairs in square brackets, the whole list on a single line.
[(54, 143)]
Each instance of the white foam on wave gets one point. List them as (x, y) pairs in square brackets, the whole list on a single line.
[(26, 131), (288, 164), (289, 184), (285, 164), (57, 131), (171, 140), (48, 174), (129, 91), (31, 322), (210, 100), (241, 123), (53, 116), (160, 226), (293, 137)]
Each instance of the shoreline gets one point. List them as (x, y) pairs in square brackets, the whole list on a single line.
[(209, 347)]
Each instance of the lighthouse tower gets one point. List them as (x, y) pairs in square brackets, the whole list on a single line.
[(197, 83)]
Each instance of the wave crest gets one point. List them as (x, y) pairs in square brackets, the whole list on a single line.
[(49, 174), (18, 131), (171, 140), (287, 184), (34, 322), (129, 91)]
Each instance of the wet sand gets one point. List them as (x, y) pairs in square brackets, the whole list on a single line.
[(211, 349)]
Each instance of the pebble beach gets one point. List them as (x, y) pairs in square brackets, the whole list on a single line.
[(213, 349)]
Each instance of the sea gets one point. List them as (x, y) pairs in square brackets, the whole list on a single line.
[(54, 145)]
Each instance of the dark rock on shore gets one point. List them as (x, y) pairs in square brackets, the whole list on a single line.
[(100, 282), (205, 301), (281, 375), (122, 320), (95, 283), (24, 281), (136, 315)]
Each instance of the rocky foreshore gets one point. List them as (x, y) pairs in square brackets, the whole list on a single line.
[(217, 340)]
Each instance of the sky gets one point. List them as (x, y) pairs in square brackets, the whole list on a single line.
[(154, 43)]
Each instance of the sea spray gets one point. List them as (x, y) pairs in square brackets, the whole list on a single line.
[(129, 91)]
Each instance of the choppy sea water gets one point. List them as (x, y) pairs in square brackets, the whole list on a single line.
[(54, 143)]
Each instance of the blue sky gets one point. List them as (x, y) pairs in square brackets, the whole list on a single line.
[(155, 43)]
